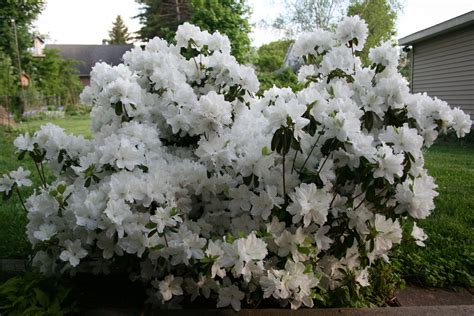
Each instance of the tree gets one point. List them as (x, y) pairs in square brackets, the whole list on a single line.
[(380, 16), (17, 17), (8, 82), (270, 57), (306, 15), (119, 32), (55, 76), (162, 17), (230, 17)]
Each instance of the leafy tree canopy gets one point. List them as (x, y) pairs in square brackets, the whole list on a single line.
[(230, 17), (270, 57), (20, 14), (380, 16)]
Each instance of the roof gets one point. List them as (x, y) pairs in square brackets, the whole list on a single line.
[(88, 55), (438, 29)]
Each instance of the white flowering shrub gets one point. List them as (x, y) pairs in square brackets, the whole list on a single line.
[(200, 189)]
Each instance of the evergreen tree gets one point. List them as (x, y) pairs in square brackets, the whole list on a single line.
[(230, 17), (380, 16), (119, 32), (162, 17)]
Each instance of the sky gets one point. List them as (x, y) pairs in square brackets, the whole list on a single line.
[(88, 21)]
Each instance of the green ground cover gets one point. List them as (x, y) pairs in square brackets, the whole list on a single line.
[(448, 258), (77, 125)]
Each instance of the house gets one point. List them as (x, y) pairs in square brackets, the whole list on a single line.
[(443, 61), (88, 55), (38, 44)]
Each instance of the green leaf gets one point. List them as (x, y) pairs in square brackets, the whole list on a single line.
[(41, 297), (118, 108), (22, 155)]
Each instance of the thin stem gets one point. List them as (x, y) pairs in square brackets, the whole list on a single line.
[(43, 181), (284, 181), (166, 240), (21, 200), (333, 198), (294, 160), (310, 152), (324, 162), (359, 204), (42, 171)]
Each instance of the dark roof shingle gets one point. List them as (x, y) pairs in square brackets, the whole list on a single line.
[(88, 55)]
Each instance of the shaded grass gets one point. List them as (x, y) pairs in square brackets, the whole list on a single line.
[(12, 216), (14, 243), (448, 258)]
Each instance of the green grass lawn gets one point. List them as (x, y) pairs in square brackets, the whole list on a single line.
[(77, 125), (448, 258)]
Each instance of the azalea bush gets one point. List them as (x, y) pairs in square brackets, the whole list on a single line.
[(200, 189)]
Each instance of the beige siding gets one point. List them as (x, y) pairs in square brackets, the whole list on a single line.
[(444, 67)]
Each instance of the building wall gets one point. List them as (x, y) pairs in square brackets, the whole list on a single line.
[(443, 66), (85, 80)]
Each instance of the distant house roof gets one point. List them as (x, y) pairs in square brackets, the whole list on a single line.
[(438, 29), (89, 55)]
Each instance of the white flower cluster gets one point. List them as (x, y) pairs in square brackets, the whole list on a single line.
[(219, 194)]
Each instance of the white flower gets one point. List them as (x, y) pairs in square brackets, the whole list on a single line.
[(164, 218), (251, 248), (6, 184), (403, 139), (24, 142), (362, 277), (323, 242), (230, 295), (170, 286), (73, 252), (461, 122), (117, 211), (385, 54), (416, 196), (45, 232), (352, 27), (389, 232), (310, 204), (389, 165), (419, 235), (20, 177)]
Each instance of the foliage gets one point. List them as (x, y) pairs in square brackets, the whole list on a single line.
[(119, 32), (271, 71), (270, 57), (77, 110), (23, 13), (55, 76), (205, 190), (380, 17), (162, 17), (230, 17), (8, 82), (305, 16), (405, 65), (33, 294), (282, 78)]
